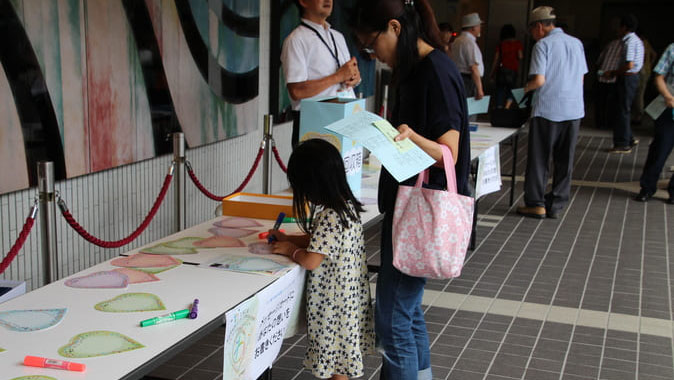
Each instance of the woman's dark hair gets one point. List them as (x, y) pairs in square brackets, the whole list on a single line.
[(445, 27), (507, 32), (416, 19), (316, 174)]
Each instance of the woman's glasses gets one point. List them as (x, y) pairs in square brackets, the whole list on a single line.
[(369, 48)]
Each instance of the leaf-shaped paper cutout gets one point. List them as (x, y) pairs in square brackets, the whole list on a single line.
[(31, 320), (186, 242), (131, 302), (219, 242), (98, 343), (136, 276), (260, 248), (34, 377), (100, 280), (144, 260), (231, 232), (248, 264), (155, 270), (237, 222), (162, 249)]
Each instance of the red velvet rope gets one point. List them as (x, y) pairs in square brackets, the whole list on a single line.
[(116, 244), (14, 251), (278, 159), (218, 198)]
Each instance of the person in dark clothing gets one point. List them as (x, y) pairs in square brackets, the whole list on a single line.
[(430, 110)]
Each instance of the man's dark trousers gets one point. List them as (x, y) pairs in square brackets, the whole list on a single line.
[(606, 98), (550, 138), (660, 148), (627, 87)]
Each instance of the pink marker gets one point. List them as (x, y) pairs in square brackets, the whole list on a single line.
[(36, 361)]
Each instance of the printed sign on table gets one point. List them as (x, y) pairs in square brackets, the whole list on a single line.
[(255, 329), (488, 172)]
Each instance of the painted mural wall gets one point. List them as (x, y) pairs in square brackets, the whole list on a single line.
[(95, 84)]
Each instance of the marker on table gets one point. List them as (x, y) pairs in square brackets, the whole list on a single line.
[(279, 220), (195, 309), (36, 361), (180, 314)]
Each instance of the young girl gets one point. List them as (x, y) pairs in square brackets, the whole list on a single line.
[(339, 314)]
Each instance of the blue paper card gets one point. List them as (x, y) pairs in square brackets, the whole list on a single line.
[(518, 94), (478, 106), (402, 164)]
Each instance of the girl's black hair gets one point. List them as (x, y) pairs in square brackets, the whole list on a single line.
[(416, 19), (507, 31), (317, 176)]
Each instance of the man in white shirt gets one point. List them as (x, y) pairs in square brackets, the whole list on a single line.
[(467, 56), (316, 60)]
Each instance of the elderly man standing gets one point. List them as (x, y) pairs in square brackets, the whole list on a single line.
[(556, 74), (627, 85), (467, 56)]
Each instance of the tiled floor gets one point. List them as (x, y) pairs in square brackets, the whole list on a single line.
[(586, 296)]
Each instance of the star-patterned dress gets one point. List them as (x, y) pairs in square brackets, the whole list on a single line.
[(339, 309)]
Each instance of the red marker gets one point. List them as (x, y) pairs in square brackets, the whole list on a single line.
[(36, 361)]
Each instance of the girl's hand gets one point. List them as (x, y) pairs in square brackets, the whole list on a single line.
[(280, 236), (284, 248), (405, 132)]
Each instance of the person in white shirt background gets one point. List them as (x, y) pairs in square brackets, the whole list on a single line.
[(467, 56), (316, 60)]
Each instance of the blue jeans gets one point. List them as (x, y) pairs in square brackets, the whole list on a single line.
[(399, 319), (503, 93)]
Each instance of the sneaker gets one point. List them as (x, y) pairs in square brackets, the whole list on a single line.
[(537, 212), (634, 142), (621, 149), (643, 196)]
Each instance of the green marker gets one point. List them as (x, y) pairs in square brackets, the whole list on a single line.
[(289, 219), (180, 314)]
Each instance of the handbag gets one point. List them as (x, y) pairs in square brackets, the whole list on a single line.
[(432, 228), (512, 117)]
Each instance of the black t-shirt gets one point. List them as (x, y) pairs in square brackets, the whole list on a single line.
[(432, 101)]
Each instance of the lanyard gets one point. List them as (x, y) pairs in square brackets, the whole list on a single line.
[(334, 54)]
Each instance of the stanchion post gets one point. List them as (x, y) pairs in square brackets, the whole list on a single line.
[(46, 196), (179, 179), (266, 160)]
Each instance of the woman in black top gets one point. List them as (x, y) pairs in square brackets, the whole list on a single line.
[(430, 110)]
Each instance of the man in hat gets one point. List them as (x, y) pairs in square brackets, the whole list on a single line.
[(556, 74), (316, 60), (467, 56)]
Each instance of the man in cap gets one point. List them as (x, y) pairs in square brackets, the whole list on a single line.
[(467, 56), (627, 84), (556, 74)]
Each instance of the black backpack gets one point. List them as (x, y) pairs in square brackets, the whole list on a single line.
[(512, 117)]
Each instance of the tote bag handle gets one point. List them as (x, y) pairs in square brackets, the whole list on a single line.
[(450, 172)]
